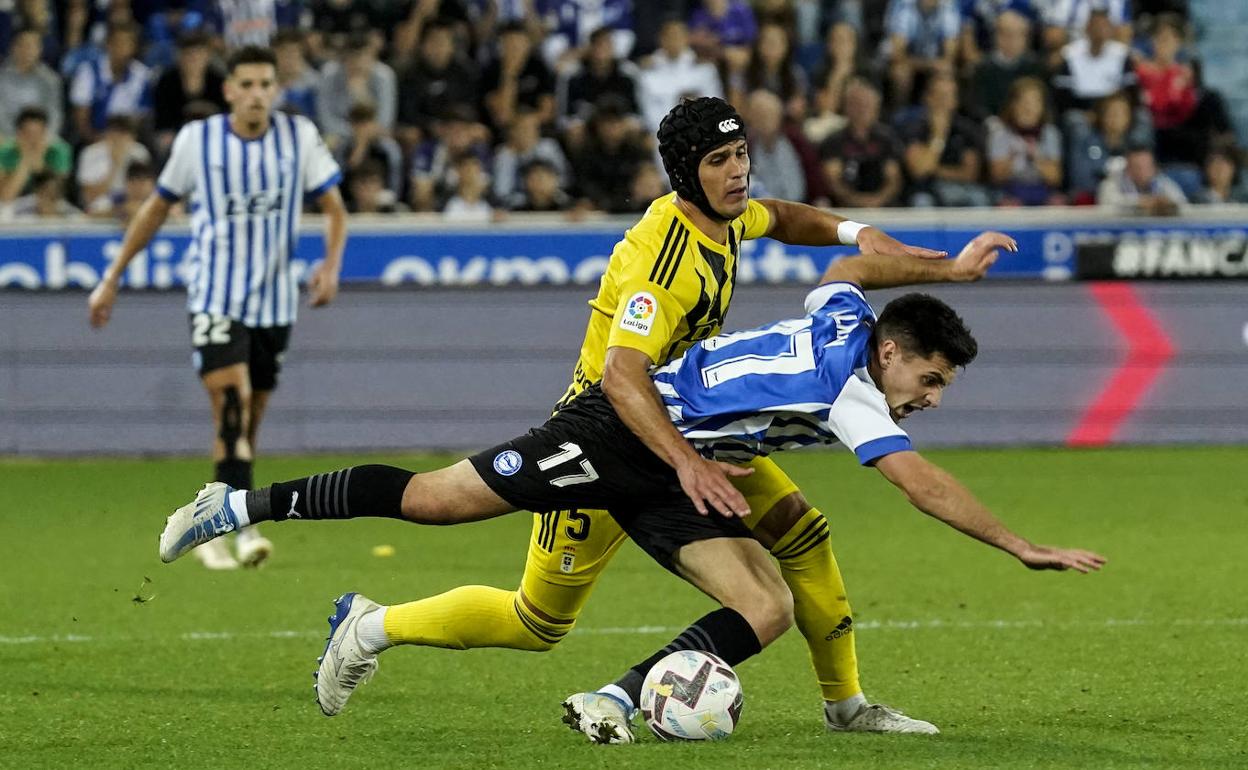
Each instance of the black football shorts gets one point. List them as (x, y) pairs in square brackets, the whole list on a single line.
[(220, 341), (586, 457)]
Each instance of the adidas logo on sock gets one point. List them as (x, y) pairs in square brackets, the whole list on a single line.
[(844, 628)]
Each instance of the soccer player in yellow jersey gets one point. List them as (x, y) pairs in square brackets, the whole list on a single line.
[(669, 284)]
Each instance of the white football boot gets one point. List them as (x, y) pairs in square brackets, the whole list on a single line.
[(344, 665), (251, 547), (600, 717), (206, 517), (878, 718)]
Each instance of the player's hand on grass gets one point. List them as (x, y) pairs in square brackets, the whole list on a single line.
[(872, 240), (323, 285), (981, 253), (100, 303), (706, 483), (1048, 557)]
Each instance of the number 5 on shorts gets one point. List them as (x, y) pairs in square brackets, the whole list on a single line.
[(570, 452), (208, 329)]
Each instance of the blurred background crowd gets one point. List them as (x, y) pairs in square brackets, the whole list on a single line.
[(473, 108)]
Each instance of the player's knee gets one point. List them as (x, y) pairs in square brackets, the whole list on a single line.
[(781, 519), (769, 611)]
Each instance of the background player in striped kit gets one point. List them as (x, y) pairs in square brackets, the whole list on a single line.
[(247, 174)]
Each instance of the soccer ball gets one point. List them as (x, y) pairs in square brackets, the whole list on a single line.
[(691, 696)]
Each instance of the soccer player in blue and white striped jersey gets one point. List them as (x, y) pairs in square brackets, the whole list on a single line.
[(247, 174)]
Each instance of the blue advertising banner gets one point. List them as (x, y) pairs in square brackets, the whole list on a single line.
[(577, 254)]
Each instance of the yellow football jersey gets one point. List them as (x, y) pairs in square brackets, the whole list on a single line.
[(666, 286)]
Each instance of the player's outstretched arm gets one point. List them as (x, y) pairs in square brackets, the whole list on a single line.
[(323, 285), (937, 493), (802, 225), (147, 220), (882, 272), (627, 385)]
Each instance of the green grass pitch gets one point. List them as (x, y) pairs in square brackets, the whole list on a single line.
[(1143, 665)]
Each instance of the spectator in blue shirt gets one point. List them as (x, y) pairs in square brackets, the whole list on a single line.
[(298, 82), (116, 84), (1114, 128), (922, 36), (569, 24), (724, 28)]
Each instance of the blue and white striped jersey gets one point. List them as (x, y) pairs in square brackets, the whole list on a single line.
[(789, 384), (246, 198)]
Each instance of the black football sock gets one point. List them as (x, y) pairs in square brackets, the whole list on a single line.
[(724, 633), (362, 490)]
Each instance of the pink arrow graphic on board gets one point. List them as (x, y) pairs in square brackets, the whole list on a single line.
[(1149, 350)]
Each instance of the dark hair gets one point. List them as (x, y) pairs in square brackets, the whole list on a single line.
[(514, 25), (140, 171), (923, 325), (193, 39), (755, 75), (44, 176), (31, 112), (535, 164), (287, 36), (1016, 91), (437, 24), (600, 33), (1170, 21), (250, 54), (120, 122), (126, 26), (358, 42)]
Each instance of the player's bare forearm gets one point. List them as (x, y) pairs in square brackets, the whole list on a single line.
[(938, 494), (146, 222), (335, 227), (801, 225), (881, 271), (627, 385)]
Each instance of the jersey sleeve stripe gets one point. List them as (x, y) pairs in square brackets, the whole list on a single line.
[(167, 194), (208, 254), (679, 252), (334, 179), (654, 271), (877, 448), (229, 219)]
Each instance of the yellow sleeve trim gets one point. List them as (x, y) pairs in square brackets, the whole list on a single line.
[(757, 220)]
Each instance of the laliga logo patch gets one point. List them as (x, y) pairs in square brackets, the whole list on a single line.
[(728, 126), (639, 313), (508, 462)]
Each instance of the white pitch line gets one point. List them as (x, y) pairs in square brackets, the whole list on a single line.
[(865, 625)]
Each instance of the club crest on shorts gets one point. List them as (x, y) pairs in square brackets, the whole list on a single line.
[(508, 462), (639, 313)]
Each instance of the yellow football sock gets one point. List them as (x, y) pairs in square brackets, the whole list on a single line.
[(820, 605), (472, 616)]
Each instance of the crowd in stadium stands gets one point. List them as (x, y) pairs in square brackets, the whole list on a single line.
[(477, 107)]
